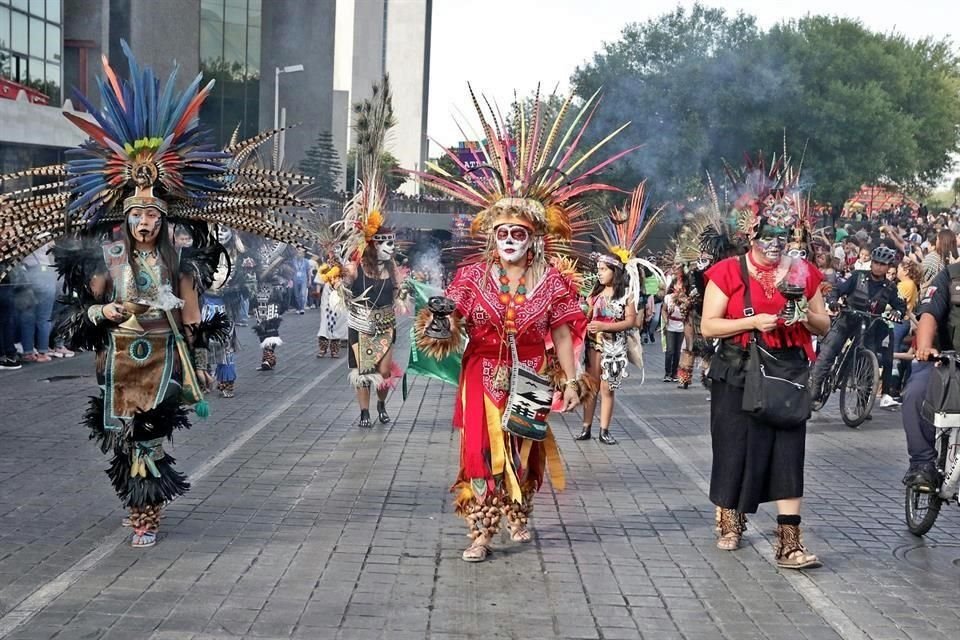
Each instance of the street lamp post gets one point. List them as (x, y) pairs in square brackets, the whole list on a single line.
[(293, 68)]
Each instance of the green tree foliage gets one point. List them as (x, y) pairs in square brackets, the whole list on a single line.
[(389, 168), (322, 162), (701, 85)]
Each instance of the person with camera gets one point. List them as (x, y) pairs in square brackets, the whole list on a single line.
[(872, 292)]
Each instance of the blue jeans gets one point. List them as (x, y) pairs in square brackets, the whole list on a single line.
[(8, 322), (35, 322), (300, 294)]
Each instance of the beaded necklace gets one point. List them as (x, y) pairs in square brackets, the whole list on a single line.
[(511, 302)]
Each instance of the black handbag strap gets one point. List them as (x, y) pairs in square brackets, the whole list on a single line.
[(748, 309)]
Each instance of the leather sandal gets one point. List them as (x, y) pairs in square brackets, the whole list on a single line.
[(730, 527), (791, 554), (476, 552), (521, 534)]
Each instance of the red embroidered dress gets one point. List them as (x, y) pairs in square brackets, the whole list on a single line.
[(488, 455)]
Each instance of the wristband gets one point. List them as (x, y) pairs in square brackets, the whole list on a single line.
[(95, 313)]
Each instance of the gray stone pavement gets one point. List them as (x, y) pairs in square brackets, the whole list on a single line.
[(301, 525)]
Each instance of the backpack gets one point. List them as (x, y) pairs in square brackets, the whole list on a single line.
[(953, 321)]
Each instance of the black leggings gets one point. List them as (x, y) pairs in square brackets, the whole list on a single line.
[(672, 358)]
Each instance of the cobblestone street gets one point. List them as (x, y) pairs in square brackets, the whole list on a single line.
[(301, 525)]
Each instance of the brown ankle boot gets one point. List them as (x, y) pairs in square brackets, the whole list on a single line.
[(322, 344), (730, 527), (334, 348), (790, 551)]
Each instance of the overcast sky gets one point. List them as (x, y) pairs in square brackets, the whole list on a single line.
[(504, 45)]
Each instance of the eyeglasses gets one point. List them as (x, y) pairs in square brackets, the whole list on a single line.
[(515, 232)]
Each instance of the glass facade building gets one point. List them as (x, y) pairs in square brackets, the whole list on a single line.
[(31, 44), (230, 34)]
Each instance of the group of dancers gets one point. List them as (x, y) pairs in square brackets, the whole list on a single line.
[(536, 322)]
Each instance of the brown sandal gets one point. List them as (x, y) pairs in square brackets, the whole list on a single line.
[(791, 554), (730, 526)]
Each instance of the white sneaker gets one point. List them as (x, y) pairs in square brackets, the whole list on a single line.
[(887, 401)]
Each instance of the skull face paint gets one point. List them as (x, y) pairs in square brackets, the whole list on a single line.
[(513, 241), (772, 242), (386, 249), (144, 224), (224, 234)]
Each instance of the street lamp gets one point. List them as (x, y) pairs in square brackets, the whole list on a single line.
[(293, 68)]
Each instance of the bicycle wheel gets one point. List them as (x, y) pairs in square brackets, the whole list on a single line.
[(921, 509), (859, 389)]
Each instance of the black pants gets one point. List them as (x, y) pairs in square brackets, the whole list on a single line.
[(672, 358), (920, 433)]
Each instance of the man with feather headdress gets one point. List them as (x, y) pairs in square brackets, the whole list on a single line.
[(514, 304), (131, 295)]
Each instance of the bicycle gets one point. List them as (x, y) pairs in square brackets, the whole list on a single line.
[(921, 508), (855, 372)]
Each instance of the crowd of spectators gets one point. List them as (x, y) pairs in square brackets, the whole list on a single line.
[(28, 297), (924, 242)]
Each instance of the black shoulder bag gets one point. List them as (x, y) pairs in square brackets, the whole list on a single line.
[(775, 389)]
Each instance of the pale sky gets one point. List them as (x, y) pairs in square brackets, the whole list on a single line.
[(504, 45)]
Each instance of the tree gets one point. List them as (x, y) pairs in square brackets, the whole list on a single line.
[(955, 188), (322, 162), (700, 85), (389, 169)]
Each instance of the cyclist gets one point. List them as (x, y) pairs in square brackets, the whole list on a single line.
[(939, 328), (864, 291)]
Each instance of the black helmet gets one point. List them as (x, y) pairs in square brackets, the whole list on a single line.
[(883, 255)]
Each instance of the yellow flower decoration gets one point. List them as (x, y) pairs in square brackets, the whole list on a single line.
[(621, 253), (373, 224)]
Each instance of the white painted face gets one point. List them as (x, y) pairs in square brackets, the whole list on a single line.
[(385, 250), (224, 234), (513, 241), (144, 223)]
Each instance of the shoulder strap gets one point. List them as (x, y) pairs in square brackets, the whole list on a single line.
[(748, 309), (747, 298)]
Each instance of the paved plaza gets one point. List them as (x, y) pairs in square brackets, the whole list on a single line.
[(301, 525)]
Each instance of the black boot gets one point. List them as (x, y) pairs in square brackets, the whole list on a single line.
[(382, 413), (585, 434), (606, 438), (365, 419)]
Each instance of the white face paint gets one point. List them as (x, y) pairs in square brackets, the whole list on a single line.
[(144, 224), (224, 234), (385, 250), (513, 241)]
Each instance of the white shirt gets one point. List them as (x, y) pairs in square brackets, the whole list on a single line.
[(674, 319)]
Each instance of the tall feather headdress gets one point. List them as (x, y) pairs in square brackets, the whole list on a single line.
[(146, 148), (364, 216), (706, 231), (624, 233), (770, 192), (531, 174)]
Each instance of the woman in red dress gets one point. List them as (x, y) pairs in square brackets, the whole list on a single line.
[(514, 306), (754, 461)]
